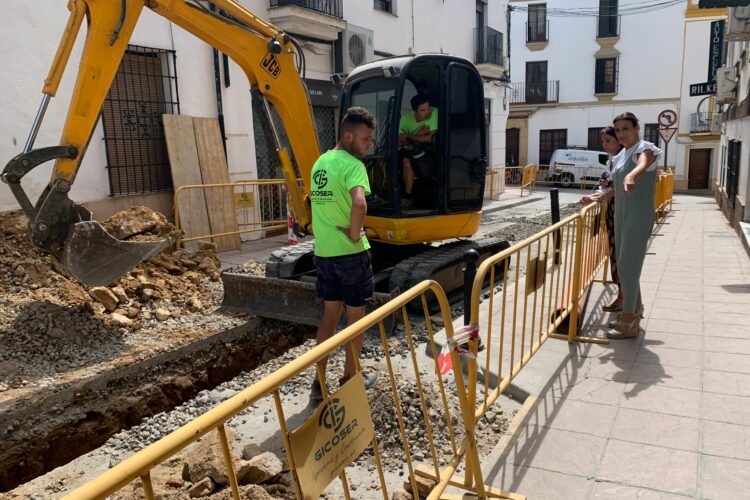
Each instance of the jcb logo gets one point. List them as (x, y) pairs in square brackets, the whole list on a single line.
[(271, 65)]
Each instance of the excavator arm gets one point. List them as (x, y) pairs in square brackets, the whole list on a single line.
[(267, 56)]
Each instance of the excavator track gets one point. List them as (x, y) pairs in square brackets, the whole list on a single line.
[(287, 292), (443, 264)]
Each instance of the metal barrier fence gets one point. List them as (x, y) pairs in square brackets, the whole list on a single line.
[(664, 194), (258, 205), (544, 281), (494, 184), (436, 412), (515, 178)]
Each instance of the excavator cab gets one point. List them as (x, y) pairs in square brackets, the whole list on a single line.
[(449, 171)]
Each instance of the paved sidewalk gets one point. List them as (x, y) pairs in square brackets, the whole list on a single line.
[(664, 416)]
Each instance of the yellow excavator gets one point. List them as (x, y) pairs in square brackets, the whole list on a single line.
[(446, 202)]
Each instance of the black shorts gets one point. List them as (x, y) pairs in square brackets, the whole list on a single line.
[(347, 278)]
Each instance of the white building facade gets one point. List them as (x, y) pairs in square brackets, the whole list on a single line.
[(579, 63), (733, 91), (335, 35)]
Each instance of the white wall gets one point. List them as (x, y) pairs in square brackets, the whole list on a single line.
[(650, 60), (30, 32), (32, 40)]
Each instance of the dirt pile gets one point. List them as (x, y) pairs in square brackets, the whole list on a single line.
[(53, 321)]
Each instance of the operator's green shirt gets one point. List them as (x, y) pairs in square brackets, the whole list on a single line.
[(409, 125), (332, 176)]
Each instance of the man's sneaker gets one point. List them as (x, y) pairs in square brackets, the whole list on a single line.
[(316, 392), (405, 204), (370, 379)]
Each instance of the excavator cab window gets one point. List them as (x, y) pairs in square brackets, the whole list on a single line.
[(449, 165), (423, 79), (378, 96), (467, 161)]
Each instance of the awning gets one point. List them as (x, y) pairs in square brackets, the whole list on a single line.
[(711, 4)]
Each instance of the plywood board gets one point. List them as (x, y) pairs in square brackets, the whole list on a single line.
[(220, 200), (185, 169)]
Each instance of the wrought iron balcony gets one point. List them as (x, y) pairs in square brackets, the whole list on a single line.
[(330, 7), (608, 26), (705, 123), (535, 92), (489, 46), (537, 31)]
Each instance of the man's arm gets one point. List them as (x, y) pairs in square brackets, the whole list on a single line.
[(357, 215)]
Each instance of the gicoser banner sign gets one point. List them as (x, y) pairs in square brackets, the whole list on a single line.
[(332, 438)]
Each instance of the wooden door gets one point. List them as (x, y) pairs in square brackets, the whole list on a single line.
[(699, 168)]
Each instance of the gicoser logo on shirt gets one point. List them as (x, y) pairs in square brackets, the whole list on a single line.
[(320, 179)]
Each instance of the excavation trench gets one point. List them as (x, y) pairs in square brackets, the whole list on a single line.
[(47, 430)]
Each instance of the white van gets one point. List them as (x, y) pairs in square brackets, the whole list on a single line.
[(577, 166)]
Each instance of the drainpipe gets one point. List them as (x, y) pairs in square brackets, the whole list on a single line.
[(510, 11), (413, 48)]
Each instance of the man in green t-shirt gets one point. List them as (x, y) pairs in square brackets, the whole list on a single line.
[(417, 130), (342, 259)]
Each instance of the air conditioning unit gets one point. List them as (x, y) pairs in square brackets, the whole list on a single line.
[(738, 27), (357, 47), (726, 85)]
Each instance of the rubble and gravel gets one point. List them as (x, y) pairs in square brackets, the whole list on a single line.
[(520, 228), (55, 326), (52, 325)]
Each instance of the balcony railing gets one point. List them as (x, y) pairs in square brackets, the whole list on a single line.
[(608, 26), (705, 123), (330, 7), (537, 31), (489, 46), (535, 92)]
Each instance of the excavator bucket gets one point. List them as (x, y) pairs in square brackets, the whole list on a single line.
[(284, 299), (96, 258)]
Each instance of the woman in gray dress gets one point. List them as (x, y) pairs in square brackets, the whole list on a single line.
[(634, 179)]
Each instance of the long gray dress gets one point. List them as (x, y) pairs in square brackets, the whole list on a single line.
[(634, 220)]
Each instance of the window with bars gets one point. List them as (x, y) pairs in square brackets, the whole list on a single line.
[(384, 5), (595, 140), (144, 88), (606, 76), (549, 141), (651, 133)]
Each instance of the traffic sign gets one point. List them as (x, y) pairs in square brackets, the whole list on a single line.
[(666, 134), (705, 88), (667, 118)]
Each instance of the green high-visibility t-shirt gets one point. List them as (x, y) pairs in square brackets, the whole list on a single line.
[(334, 174), (409, 125)]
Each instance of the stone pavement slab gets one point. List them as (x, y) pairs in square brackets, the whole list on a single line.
[(662, 416)]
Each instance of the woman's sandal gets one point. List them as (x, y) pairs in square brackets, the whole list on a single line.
[(614, 306), (625, 330), (638, 311)]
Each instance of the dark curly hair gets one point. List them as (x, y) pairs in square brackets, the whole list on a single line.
[(357, 116), (418, 100)]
